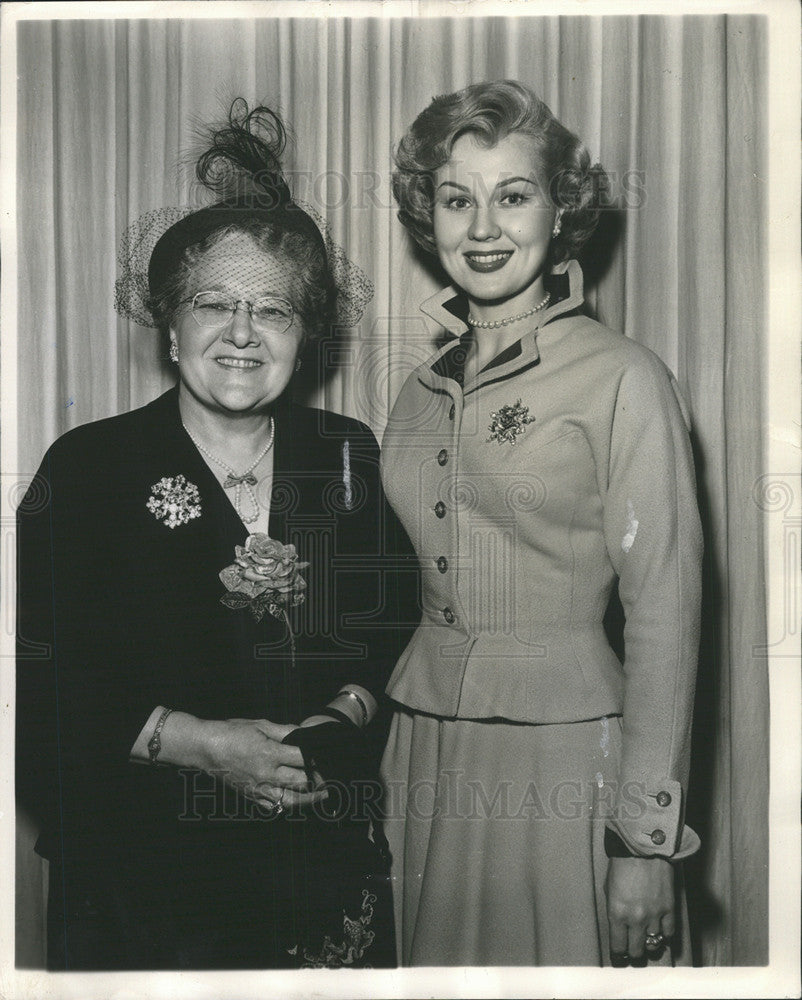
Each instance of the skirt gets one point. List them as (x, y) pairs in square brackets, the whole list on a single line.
[(294, 892), (496, 831)]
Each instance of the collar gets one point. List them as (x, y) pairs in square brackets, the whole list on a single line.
[(449, 309)]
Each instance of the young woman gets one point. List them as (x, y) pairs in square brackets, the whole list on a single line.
[(537, 784)]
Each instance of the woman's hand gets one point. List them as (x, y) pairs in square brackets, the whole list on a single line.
[(248, 755), (640, 901)]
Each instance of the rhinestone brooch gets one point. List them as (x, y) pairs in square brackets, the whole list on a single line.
[(174, 501), (508, 422)]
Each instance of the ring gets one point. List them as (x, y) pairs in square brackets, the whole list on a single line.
[(276, 806), (654, 940)]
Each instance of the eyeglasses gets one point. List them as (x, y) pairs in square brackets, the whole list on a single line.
[(270, 314)]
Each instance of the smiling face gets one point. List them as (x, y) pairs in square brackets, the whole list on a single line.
[(235, 368), (493, 224)]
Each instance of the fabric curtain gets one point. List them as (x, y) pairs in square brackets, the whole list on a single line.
[(673, 107)]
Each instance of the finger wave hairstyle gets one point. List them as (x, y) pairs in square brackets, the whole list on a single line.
[(491, 111)]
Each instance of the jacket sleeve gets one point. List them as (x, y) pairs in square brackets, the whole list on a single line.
[(80, 703), (63, 705), (653, 537), (36, 749)]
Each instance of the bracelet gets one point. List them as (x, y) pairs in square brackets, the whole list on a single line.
[(335, 713), (363, 707), (155, 742)]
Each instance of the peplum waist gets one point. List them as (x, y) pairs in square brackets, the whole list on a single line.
[(555, 674)]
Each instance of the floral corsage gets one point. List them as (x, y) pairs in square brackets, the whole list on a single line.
[(265, 576)]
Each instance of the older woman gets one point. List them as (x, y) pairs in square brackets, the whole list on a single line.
[(538, 461), (200, 576)]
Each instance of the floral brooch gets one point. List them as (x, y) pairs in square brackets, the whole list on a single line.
[(174, 500), (508, 422)]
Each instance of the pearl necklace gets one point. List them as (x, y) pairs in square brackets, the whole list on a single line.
[(495, 324), (238, 480)]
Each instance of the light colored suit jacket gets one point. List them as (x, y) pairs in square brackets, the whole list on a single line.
[(521, 545)]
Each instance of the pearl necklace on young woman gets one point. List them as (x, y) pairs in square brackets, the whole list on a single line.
[(496, 324), (236, 480)]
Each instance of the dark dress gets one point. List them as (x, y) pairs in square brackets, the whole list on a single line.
[(157, 867)]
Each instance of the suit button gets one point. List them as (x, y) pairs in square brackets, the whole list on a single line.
[(449, 616), (451, 412), (442, 456), (440, 508), (663, 799), (460, 377), (442, 564), (658, 837)]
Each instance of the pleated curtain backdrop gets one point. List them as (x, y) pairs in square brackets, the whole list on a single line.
[(673, 107)]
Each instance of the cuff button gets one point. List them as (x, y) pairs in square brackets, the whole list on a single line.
[(663, 799), (658, 837)]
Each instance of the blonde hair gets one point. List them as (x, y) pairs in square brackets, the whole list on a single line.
[(491, 111)]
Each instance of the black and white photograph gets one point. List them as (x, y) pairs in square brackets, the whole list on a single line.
[(401, 499)]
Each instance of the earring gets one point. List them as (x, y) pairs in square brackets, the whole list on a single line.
[(298, 364), (174, 352), (557, 227)]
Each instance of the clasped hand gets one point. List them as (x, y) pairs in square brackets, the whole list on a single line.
[(248, 755)]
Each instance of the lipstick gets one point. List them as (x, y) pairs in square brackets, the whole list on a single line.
[(486, 262)]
